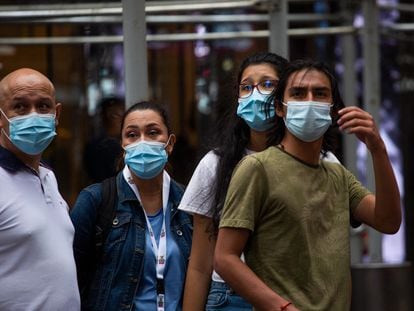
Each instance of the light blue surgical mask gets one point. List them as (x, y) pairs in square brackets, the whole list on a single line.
[(308, 120), (146, 158), (252, 110), (31, 133)]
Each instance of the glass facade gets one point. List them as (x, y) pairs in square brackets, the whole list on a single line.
[(191, 75)]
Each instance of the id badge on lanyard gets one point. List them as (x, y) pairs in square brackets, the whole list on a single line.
[(160, 253), (160, 249)]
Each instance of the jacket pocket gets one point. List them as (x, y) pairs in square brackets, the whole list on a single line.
[(119, 230), (106, 267)]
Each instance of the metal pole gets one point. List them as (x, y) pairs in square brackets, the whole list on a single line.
[(350, 99), (113, 8), (297, 32), (278, 27), (162, 19), (350, 96), (371, 80), (135, 51)]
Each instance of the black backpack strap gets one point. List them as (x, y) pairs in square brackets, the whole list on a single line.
[(105, 213)]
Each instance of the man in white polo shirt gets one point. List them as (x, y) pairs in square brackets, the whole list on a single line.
[(37, 268)]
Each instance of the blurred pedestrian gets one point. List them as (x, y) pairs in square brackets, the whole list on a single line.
[(103, 152)]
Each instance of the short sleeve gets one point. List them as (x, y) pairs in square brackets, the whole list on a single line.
[(356, 191), (198, 198), (246, 195)]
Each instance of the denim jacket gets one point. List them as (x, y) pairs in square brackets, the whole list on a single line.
[(114, 278)]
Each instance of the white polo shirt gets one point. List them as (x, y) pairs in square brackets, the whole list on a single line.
[(37, 267)]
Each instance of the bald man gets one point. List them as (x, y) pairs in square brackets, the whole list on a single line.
[(37, 268)]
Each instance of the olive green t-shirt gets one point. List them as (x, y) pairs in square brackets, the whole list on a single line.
[(299, 218)]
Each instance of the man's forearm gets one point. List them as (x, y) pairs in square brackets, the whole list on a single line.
[(387, 195)]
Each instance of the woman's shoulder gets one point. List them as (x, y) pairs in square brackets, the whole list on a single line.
[(205, 169), (93, 190), (209, 159)]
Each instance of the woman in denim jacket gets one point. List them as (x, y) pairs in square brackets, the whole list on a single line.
[(145, 254)]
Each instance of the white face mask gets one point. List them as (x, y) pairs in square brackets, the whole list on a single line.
[(308, 120)]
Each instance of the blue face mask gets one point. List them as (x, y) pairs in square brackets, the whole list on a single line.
[(31, 133), (308, 120), (146, 158), (252, 110)]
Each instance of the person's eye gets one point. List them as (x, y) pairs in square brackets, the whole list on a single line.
[(321, 94), (131, 134), (246, 87), (268, 84), (297, 93), (44, 107), (294, 93), (153, 133), (19, 107)]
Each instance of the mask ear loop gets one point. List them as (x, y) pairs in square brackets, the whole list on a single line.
[(285, 114), (168, 141), (2, 112), (166, 145), (39, 114), (2, 129)]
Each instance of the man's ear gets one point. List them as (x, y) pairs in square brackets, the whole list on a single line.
[(171, 144), (58, 111), (279, 109)]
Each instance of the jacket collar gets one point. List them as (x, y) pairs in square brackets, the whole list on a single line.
[(176, 192), (125, 192)]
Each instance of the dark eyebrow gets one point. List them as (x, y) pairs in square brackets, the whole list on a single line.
[(39, 97), (264, 78), (131, 126), (246, 81), (297, 88), (153, 124), (149, 125), (18, 99), (321, 88), (316, 88), (270, 78)]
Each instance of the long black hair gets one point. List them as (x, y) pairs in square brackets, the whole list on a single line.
[(232, 134), (277, 132)]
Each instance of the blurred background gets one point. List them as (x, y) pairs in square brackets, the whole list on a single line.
[(185, 54)]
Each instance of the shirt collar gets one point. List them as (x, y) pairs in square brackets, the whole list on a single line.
[(13, 164), (9, 161)]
